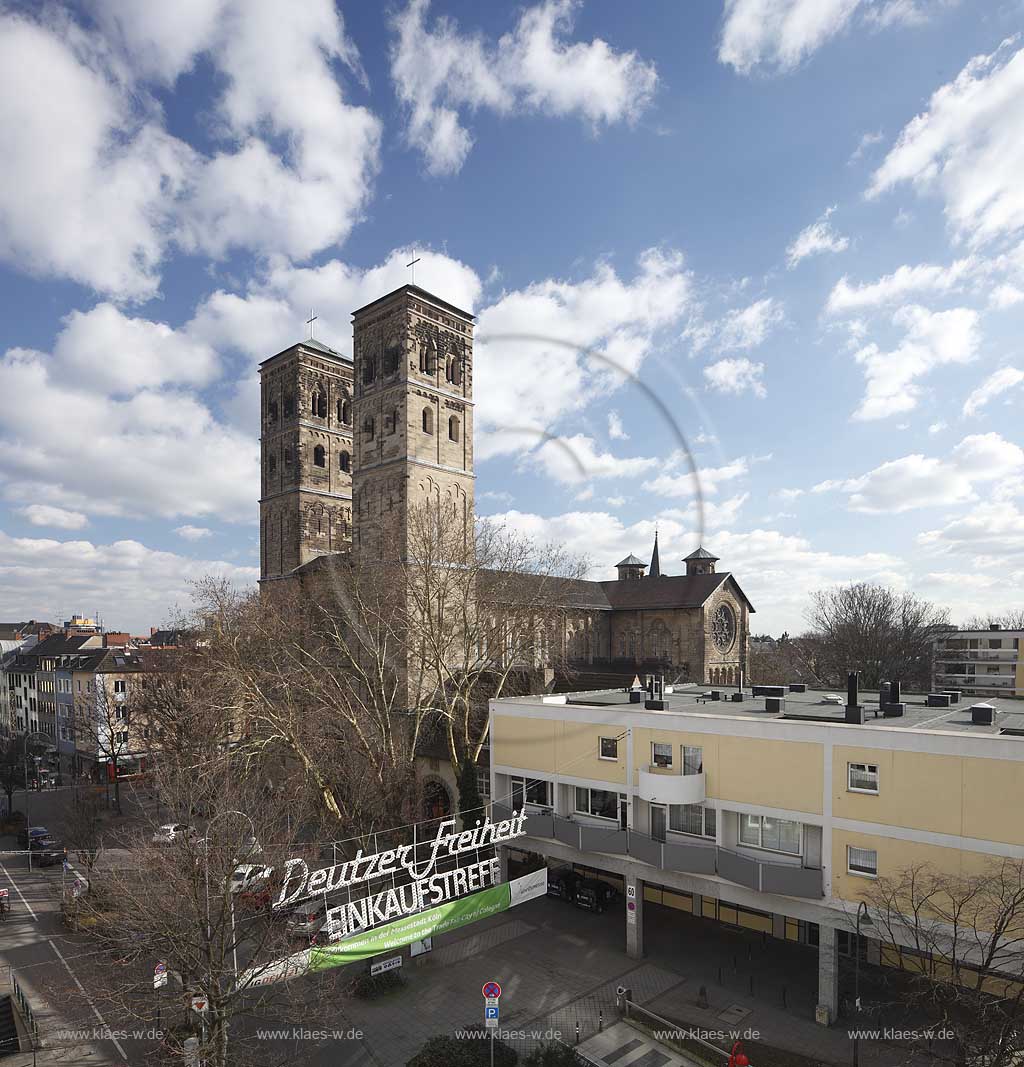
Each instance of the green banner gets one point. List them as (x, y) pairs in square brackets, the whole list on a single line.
[(398, 934)]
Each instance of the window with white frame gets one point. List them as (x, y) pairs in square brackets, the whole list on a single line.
[(692, 819), (532, 791), (661, 754), (693, 759), (600, 802), (765, 831), (862, 777), (483, 781), (609, 748), (862, 861), (120, 686)]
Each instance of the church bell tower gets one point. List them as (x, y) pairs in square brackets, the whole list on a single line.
[(306, 456), (413, 417)]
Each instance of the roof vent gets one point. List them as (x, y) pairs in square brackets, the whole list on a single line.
[(983, 714)]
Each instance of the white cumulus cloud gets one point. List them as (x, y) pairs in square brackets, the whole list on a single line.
[(440, 72), (47, 515), (931, 339), (995, 385), (814, 239), (967, 146), (736, 376)]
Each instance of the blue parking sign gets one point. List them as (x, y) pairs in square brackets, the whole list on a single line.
[(491, 1013)]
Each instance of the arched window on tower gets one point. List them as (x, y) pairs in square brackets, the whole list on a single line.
[(289, 404), (346, 412), (318, 404), (319, 456), (428, 357), (287, 457), (369, 428), (428, 420), (453, 369), (453, 428), (271, 463), (344, 462), (369, 370), (391, 420), (272, 411)]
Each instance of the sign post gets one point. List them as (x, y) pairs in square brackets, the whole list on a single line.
[(492, 994)]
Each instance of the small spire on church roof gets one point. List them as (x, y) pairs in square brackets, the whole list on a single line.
[(655, 568)]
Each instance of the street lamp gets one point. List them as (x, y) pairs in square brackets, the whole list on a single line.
[(862, 916), (231, 901)]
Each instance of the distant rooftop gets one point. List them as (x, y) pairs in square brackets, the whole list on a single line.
[(809, 707)]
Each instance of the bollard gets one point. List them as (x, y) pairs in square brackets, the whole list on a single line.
[(702, 997), (577, 1031), (600, 1019)]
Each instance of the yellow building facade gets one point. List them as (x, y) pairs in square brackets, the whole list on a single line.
[(779, 820)]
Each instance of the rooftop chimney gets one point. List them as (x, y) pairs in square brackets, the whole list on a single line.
[(854, 712)]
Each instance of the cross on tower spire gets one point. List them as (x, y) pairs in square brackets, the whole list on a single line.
[(412, 265), (309, 322)]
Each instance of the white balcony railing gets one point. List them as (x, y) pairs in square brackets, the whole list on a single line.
[(672, 788)]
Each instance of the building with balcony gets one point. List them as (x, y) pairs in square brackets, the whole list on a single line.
[(755, 812), (982, 663)]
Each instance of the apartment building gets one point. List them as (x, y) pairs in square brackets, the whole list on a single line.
[(984, 663), (772, 813)]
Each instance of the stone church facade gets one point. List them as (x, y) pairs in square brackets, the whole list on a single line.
[(348, 447)]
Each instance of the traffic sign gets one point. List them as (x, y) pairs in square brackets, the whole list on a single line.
[(159, 975), (381, 966), (4, 894), (200, 1004), (492, 990), (491, 1015)]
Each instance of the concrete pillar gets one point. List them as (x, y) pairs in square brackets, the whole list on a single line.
[(828, 976), (634, 917), (779, 926)]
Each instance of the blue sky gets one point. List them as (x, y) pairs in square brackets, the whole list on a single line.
[(799, 223)]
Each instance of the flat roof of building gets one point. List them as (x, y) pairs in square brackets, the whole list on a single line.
[(809, 707)]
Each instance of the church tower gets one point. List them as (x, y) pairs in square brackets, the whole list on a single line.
[(413, 427), (306, 456)]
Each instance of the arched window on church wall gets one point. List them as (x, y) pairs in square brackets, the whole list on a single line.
[(289, 404), (271, 463), (344, 462), (453, 428), (345, 411), (428, 420), (369, 427), (319, 456)]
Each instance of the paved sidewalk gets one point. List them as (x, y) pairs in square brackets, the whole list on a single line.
[(559, 968)]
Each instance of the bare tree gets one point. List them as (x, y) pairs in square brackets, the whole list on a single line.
[(1008, 620), (960, 938), (181, 904), (339, 680), (876, 631)]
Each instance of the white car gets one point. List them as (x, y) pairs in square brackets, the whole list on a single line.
[(173, 831), (247, 876)]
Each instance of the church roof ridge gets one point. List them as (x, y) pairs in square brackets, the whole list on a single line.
[(416, 290)]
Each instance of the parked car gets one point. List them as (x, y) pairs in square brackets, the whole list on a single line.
[(26, 833), (172, 831), (46, 852), (308, 920), (562, 883), (593, 894), (250, 879)]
